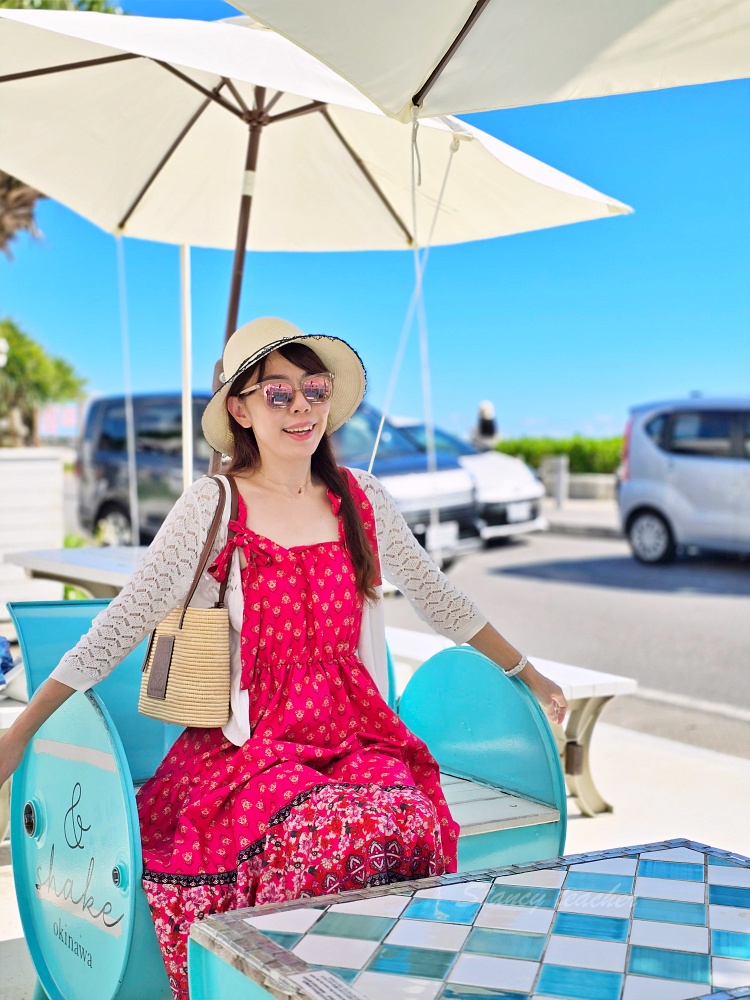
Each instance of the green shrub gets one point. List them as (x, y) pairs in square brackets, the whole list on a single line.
[(585, 454)]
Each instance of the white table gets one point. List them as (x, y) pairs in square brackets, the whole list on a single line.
[(587, 691), (101, 572)]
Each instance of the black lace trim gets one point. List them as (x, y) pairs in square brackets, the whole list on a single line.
[(230, 877)]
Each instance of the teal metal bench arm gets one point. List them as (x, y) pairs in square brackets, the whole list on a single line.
[(490, 729)]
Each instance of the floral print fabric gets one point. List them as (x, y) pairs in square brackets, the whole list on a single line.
[(330, 793)]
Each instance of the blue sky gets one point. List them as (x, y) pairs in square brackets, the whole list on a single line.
[(562, 329)]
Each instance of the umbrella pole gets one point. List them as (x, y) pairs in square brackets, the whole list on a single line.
[(135, 519), (257, 121), (243, 223), (187, 369)]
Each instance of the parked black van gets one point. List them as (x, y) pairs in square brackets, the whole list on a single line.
[(103, 505)]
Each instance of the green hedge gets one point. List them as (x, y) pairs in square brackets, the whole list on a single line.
[(585, 454)]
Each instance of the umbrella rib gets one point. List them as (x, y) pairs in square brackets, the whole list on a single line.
[(427, 86), (212, 95), (274, 100), (295, 112), (368, 176), (64, 67), (236, 95), (163, 162)]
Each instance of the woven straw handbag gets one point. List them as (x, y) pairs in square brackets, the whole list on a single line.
[(186, 671)]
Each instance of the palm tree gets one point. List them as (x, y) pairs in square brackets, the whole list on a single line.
[(17, 199)]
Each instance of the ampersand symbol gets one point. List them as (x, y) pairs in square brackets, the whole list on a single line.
[(73, 826)]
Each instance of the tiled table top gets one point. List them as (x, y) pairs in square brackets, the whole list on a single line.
[(666, 921)]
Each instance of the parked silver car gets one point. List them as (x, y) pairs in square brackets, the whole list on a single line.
[(685, 477)]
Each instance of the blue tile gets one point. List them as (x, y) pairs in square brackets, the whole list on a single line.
[(729, 895), (353, 925), (670, 911), (286, 940), (424, 963), (479, 993), (596, 882), (579, 984), (451, 911), (348, 975), (730, 944), (587, 925), (662, 963), (523, 895), (671, 869), (506, 944)]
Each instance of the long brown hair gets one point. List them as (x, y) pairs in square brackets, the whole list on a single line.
[(246, 458)]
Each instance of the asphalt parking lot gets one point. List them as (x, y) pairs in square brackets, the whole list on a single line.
[(683, 631)]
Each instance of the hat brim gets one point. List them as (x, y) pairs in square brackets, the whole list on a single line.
[(337, 356)]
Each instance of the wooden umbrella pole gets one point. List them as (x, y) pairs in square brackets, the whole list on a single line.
[(256, 119)]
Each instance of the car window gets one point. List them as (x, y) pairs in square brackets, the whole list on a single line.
[(354, 441), (655, 429), (746, 435), (159, 428), (706, 433), (113, 433), (443, 442)]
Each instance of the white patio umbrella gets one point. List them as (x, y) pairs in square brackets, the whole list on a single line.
[(171, 130), (433, 57)]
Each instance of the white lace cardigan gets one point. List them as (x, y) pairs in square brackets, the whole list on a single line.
[(163, 578)]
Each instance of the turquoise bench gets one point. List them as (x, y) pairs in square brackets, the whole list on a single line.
[(75, 838)]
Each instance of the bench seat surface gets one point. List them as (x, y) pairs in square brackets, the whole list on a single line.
[(480, 809)]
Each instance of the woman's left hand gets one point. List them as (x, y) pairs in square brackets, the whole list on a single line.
[(548, 694), (489, 642)]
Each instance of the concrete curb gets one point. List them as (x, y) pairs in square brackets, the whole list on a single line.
[(583, 530)]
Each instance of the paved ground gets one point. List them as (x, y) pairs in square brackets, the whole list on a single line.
[(682, 630)]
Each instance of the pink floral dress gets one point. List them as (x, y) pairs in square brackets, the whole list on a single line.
[(331, 792)]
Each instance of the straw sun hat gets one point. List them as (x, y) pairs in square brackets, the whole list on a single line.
[(252, 342)]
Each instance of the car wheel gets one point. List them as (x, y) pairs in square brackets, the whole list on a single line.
[(651, 538), (113, 527)]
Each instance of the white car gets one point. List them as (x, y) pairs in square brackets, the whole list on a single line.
[(445, 496), (685, 477), (508, 492)]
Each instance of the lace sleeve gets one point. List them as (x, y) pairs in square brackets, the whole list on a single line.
[(437, 600), (159, 584)]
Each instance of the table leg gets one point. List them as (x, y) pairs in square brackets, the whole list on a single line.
[(4, 803), (575, 744)]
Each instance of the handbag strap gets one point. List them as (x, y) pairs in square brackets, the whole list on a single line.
[(233, 511), (211, 538)]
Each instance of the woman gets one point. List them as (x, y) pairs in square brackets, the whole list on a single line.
[(314, 785)]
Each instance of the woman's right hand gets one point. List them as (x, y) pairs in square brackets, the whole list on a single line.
[(50, 696), (12, 749)]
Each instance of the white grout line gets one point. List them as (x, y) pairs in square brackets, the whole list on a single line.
[(697, 704)]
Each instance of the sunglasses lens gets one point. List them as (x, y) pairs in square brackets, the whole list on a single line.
[(317, 389), (278, 394)]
